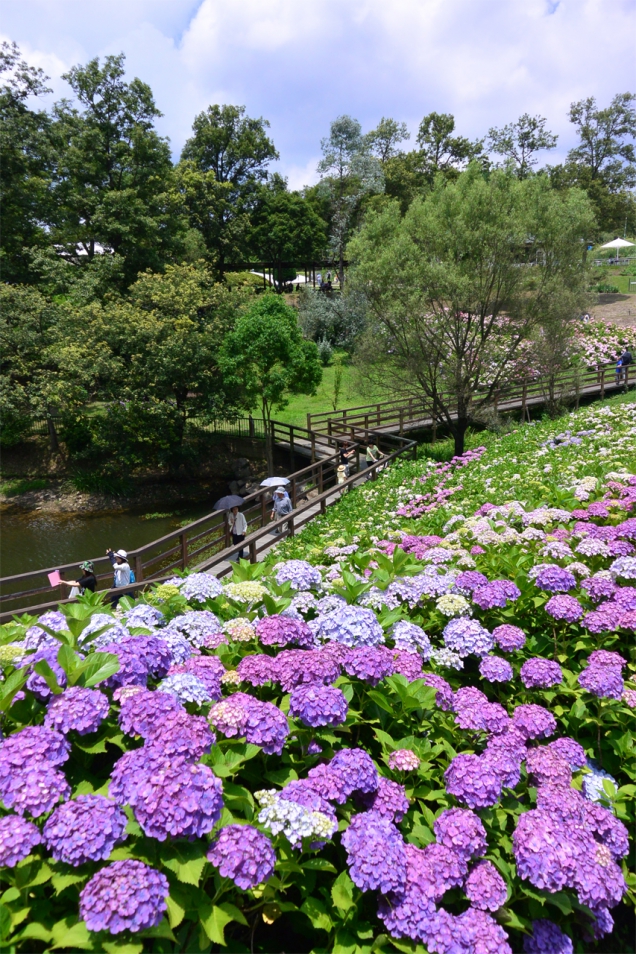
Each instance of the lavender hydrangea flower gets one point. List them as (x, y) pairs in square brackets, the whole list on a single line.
[(376, 853), (197, 626), (495, 669), (126, 895), (293, 819), (508, 637), (284, 631), (547, 938), (18, 838), (600, 586), (244, 854), (553, 578), (485, 888), (77, 709), (351, 626), (408, 665), (602, 657), (466, 636), (470, 580), (178, 646), (539, 673), (177, 799), (545, 766), (35, 789), (473, 780), (262, 723), (355, 769), (624, 568), (208, 669), (101, 629), (564, 607), (33, 744), (496, 593), (318, 705), (403, 760), (144, 615), (411, 638), (298, 573), (186, 687), (198, 587), (444, 694), (593, 788), (389, 800), (571, 751), (37, 638), (85, 829), (177, 733), (37, 684), (140, 711), (463, 831), (409, 912), (603, 681), (371, 664), (534, 722)]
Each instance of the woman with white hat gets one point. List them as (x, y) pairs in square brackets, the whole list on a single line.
[(121, 567)]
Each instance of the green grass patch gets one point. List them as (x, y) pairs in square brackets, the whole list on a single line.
[(13, 488), (351, 395)]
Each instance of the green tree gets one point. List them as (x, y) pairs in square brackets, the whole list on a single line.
[(440, 150), (449, 298), (266, 358), (285, 226), (349, 173), (519, 142), (229, 154), (113, 188), (25, 164), (383, 141)]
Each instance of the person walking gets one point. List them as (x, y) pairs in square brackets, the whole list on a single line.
[(626, 360), (238, 527), (282, 505), (122, 572), (88, 580), (373, 453), (346, 456)]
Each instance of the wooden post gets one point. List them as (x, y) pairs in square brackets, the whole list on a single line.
[(290, 525), (251, 426), (291, 446), (263, 511), (366, 422), (401, 421), (320, 478), (323, 505), (227, 532), (252, 549), (357, 458), (293, 493), (183, 537), (379, 414), (602, 382), (524, 399), (313, 447), (309, 422), (139, 568)]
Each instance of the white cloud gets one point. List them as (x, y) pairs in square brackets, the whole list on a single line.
[(302, 64)]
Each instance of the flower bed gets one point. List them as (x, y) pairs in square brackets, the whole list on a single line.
[(410, 731)]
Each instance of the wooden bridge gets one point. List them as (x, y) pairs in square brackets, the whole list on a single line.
[(401, 416)]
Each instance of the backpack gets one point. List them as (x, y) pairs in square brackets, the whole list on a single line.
[(133, 578)]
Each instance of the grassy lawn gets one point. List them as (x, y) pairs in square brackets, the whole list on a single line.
[(351, 395)]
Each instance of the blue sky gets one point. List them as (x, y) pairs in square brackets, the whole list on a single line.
[(300, 63)]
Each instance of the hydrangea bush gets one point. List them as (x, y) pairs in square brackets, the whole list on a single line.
[(411, 730)]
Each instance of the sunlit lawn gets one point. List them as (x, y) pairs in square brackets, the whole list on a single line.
[(351, 395)]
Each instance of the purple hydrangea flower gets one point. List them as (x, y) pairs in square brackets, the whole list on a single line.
[(603, 681), (295, 667), (602, 657), (355, 769), (197, 625), (408, 913), (463, 831), (485, 888), (126, 895), (571, 751), (36, 638), (258, 669), (444, 694), (244, 854), (545, 766), (539, 673), (403, 760), (177, 733), (599, 586), (177, 799), (186, 687), (145, 616), (411, 638), (351, 626), (77, 709), (554, 578), (178, 646), (262, 723), (547, 938), (534, 722), (495, 594), (475, 931), (133, 668), (140, 711), (208, 669), (318, 705), (564, 607), (508, 637), (543, 853), (85, 829), (408, 665), (371, 664), (473, 780), (466, 636), (284, 631), (376, 853), (18, 838), (37, 684), (495, 669), (199, 587), (298, 573), (33, 744), (35, 789), (389, 800), (468, 581)]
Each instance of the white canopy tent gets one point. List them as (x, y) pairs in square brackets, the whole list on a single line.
[(617, 243)]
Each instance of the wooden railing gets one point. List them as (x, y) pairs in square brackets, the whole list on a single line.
[(399, 415), (205, 542)]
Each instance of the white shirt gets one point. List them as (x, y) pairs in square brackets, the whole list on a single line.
[(238, 524)]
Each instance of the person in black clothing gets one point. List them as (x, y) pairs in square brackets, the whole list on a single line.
[(88, 580), (346, 456), (626, 360)]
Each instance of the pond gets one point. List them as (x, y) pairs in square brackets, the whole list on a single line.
[(38, 539)]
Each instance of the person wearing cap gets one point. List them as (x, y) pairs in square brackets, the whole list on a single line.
[(88, 580), (282, 505), (119, 561)]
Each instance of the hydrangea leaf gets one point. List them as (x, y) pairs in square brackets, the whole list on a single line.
[(342, 892), (186, 860), (317, 914), (70, 933)]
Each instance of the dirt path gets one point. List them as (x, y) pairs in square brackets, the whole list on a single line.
[(620, 309)]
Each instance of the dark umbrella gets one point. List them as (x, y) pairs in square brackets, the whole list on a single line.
[(226, 503)]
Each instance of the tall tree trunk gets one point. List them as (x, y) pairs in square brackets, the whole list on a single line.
[(53, 440), (459, 433)]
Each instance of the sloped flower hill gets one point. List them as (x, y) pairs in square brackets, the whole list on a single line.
[(411, 731)]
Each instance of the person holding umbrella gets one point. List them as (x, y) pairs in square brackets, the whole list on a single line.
[(238, 526), (282, 505)]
